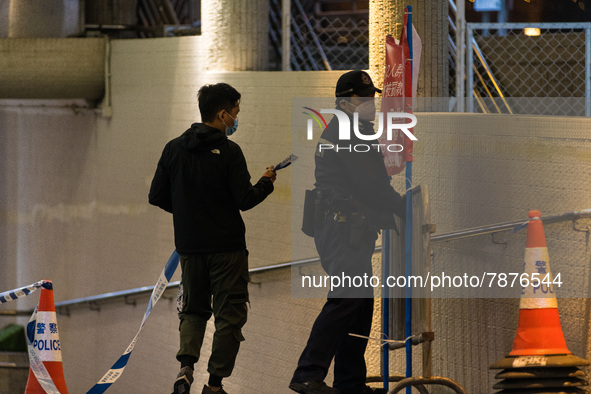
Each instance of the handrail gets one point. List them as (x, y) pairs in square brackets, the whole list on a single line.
[(312, 34), (453, 5), (458, 64), (451, 236), (501, 227), (488, 70)]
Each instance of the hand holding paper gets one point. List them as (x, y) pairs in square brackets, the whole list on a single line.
[(291, 158)]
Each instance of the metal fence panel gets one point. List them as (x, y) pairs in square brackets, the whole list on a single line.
[(503, 63), (322, 35)]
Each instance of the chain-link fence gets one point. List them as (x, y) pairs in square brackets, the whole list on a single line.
[(545, 70), (325, 35)]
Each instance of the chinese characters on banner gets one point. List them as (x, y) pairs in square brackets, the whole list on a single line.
[(399, 89)]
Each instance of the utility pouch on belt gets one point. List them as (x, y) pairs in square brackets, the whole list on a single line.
[(309, 213)]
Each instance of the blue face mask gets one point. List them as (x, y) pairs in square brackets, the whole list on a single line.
[(232, 129)]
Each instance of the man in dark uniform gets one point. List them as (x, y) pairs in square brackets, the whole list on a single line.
[(356, 200), (202, 179)]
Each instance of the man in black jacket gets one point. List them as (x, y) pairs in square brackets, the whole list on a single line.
[(356, 199), (202, 179)]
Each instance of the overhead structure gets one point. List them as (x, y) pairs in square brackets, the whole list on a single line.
[(41, 59), (52, 68)]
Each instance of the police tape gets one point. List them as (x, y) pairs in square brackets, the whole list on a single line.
[(21, 292), (117, 369), (35, 362), (524, 224), (384, 341)]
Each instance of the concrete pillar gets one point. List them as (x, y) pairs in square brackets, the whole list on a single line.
[(385, 18), (236, 32), (430, 21)]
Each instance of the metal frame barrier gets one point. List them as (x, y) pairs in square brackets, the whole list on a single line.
[(472, 48), (412, 320)]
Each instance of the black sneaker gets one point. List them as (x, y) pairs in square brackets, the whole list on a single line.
[(207, 390), (312, 388), (183, 382)]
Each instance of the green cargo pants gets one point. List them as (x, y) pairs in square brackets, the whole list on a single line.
[(215, 283)]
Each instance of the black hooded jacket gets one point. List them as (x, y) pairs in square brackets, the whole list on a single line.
[(202, 179)]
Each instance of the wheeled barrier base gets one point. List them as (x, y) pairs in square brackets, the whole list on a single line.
[(419, 383)]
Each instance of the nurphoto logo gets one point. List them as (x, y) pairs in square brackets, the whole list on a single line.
[(395, 122)]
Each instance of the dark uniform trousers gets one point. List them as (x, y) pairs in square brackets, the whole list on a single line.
[(347, 310), (214, 283)]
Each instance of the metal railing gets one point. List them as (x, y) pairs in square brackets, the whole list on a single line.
[(457, 61), (496, 65), (509, 226), (488, 85), (492, 91), (152, 18), (554, 63), (319, 34), (93, 301), (300, 49)]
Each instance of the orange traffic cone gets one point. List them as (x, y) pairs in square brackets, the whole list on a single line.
[(539, 361), (46, 343), (539, 330)]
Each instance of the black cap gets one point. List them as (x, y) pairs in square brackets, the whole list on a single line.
[(355, 82)]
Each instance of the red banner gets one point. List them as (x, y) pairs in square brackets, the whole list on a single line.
[(397, 97)]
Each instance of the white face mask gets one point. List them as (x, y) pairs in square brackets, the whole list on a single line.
[(366, 110)]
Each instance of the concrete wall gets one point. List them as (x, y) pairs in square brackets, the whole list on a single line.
[(73, 209)]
